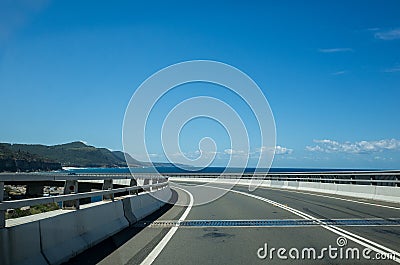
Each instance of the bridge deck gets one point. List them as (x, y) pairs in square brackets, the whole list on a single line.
[(225, 244)]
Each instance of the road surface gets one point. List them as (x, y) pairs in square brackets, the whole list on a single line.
[(245, 227)]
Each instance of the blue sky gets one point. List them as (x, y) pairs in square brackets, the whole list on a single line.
[(330, 71)]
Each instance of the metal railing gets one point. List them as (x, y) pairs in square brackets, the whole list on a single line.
[(379, 178), (72, 196), (4, 177)]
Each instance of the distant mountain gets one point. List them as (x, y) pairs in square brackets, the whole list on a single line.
[(33, 157), (19, 160), (76, 154), (129, 160), (133, 162)]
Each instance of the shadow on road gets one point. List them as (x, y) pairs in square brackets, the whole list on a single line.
[(100, 251)]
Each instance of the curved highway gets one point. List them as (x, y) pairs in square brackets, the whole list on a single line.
[(267, 226)]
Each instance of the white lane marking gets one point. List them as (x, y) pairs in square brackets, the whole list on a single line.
[(353, 237), (331, 197), (157, 250)]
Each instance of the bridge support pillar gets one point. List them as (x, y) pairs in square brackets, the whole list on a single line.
[(133, 183), (146, 182), (2, 212), (108, 185), (151, 183), (71, 187), (34, 190), (156, 181)]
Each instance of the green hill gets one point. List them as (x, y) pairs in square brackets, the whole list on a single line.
[(20, 160), (76, 154), (130, 160), (35, 157)]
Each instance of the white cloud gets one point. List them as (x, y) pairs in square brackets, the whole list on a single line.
[(264, 149), (361, 147), (203, 153), (339, 73), (279, 150), (393, 34), (392, 70), (383, 158), (314, 148), (333, 50), (234, 152)]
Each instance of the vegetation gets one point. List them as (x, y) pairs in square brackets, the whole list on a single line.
[(6, 151), (23, 160), (7, 189), (76, 154), (34, 157), (25, 211)]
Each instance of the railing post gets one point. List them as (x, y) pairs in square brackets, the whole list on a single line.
[(151, 183), (133, 183), (146, 182), (2, 212), (108, 185), (71, 186)]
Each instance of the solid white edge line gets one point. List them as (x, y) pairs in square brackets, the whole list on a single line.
[(160, 246), (353, 237)]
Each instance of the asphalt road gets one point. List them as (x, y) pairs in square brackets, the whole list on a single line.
[(263, 219)]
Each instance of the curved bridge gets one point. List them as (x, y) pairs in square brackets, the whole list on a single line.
[(335, 218)]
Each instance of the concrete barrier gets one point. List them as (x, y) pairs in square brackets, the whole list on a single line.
[(65, 235), (292, 185), (380, 193), (58, 238), (277, 183), (147, 203), (385, 193), (330, 188), (309, 186), (21, 245), (360, 191)]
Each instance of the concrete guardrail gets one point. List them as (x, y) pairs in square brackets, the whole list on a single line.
[(372, 192), (55, 237)]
